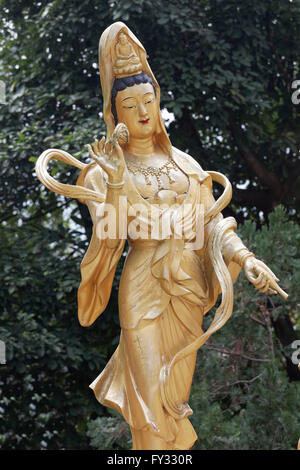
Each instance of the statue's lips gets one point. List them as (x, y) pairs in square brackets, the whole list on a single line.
[(145, 121)]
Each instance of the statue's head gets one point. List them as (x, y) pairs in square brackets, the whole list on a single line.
[(131, 93), (133, 102), (123, 38)]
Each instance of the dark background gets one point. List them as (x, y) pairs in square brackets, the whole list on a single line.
[(226, 71)]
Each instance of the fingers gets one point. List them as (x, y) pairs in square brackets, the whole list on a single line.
[(267, 270), (93, 155), (272, 275), (108, 156), (262, 282), (108, 148), (119, 152), (266, 283), (266, 287), (96, 148), (278, 289), (271, 291), (91, 151), (259, 282), (251, 277), (114, 153), (101, 145)]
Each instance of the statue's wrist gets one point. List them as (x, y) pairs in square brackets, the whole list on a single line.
[(115, 178), (115, 184), (242, 255)]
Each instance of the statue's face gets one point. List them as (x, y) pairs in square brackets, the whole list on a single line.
[(137, 108), (122, 38)]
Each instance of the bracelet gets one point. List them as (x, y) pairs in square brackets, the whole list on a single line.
[(243, 256), (246, 256), (115, 185)]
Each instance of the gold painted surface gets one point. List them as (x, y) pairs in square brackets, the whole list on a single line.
[(168, 283)]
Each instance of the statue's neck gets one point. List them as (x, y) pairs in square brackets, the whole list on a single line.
[(141, 148)]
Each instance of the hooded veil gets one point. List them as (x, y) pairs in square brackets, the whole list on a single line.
[(107, 58)]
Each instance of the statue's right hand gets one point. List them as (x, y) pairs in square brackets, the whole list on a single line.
[(111, 160)]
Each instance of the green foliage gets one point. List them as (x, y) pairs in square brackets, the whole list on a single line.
[(245, 415), (225, 70), (109, 433), (277, 244), (44, 396)]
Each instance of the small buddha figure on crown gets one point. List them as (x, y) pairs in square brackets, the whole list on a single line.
[(127, 61)]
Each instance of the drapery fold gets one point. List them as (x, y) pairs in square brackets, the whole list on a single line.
[(165, 289)]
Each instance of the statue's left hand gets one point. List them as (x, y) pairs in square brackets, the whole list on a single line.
[(262, 277)]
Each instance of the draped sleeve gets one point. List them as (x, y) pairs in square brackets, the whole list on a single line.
[(100, 261), (231, 244)]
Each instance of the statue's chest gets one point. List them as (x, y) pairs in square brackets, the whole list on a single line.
[(168, 188)]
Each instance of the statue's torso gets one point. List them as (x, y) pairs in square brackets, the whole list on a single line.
[(170, 188)]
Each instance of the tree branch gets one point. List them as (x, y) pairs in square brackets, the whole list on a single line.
[(237, 382), (267, 177), (188, 128), (234, 353)]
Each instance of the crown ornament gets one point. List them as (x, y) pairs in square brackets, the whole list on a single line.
[(126, 61)]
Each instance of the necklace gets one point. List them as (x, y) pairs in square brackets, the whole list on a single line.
[(148, 171)]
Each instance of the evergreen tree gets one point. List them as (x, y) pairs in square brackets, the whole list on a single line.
[(226, 72)]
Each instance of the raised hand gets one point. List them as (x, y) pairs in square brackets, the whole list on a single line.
[(262, 277), (110, 158)]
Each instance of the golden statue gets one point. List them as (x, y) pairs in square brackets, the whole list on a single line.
[(171, 277)]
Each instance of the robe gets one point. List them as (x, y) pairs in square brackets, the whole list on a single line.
[(167, 285)]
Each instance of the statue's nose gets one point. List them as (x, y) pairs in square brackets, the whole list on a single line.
[(142, 110)]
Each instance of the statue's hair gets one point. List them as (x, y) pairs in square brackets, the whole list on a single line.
[(123, 83)]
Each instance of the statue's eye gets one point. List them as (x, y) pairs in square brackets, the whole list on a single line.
[(149, 101), (129, 107)]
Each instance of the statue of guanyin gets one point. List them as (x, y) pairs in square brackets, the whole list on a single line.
[(171, 277)]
